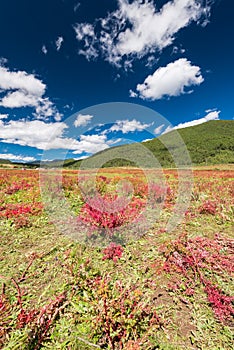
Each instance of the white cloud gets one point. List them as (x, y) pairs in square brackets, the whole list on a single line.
[(158, 130), (170, 80), (147, 140), (81, 157), (85, 32), (92, 144), (132, 93), (10, 156), (46, 136), (213, 115), (82, 120), (127, 126), (44, 49), (22, 81), (114, 141), (18, 99), (90, 53), (58, 116), (211, 110), (34, 133), (58, 43), (151, 61), (45, 108), (176, 50), (25, 90), (137, 28), (168, 129), (4, 116), (210, 116)]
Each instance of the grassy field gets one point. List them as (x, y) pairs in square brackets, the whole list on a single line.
[(162, 290)]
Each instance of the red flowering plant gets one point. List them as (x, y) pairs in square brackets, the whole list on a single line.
[(38, 319), (221, 304), (11, 210), (19, 213), (112, 252), (17, 186), (106, 213), (156, 194), (208, 207), (197, 257)]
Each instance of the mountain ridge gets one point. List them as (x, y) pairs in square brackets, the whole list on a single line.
[(208, 144)]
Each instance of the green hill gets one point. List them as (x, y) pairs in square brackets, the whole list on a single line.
[(5, 161), (208, 143)]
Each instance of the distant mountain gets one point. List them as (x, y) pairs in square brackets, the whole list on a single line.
[(208, 143), (5, 161)]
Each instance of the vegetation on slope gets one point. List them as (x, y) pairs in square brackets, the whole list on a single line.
[(207, 144)]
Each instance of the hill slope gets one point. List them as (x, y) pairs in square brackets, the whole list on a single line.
[(207, 144)]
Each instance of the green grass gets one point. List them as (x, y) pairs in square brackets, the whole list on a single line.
[(62, 266)]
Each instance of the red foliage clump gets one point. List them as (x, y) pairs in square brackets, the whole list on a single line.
[(113, 252), (104, 213), (193, 257), (220, 303), (208, 207), (25, 317), (15, 187), (10, 210)]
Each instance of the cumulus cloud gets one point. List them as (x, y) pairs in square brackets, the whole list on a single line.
[(127, 126), (33, 133), (45, 109), (21, 81), (171, 80), (92, 143), (46, 136), (132, 93), (83, 120), (24, 90), (211, 115), (138, 28), (58, 43), (10, 156), (19, 99), (85, 32)]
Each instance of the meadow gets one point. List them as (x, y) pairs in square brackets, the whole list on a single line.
[(157, 290)]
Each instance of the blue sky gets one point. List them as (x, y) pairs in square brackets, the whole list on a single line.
[(58, 58)]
